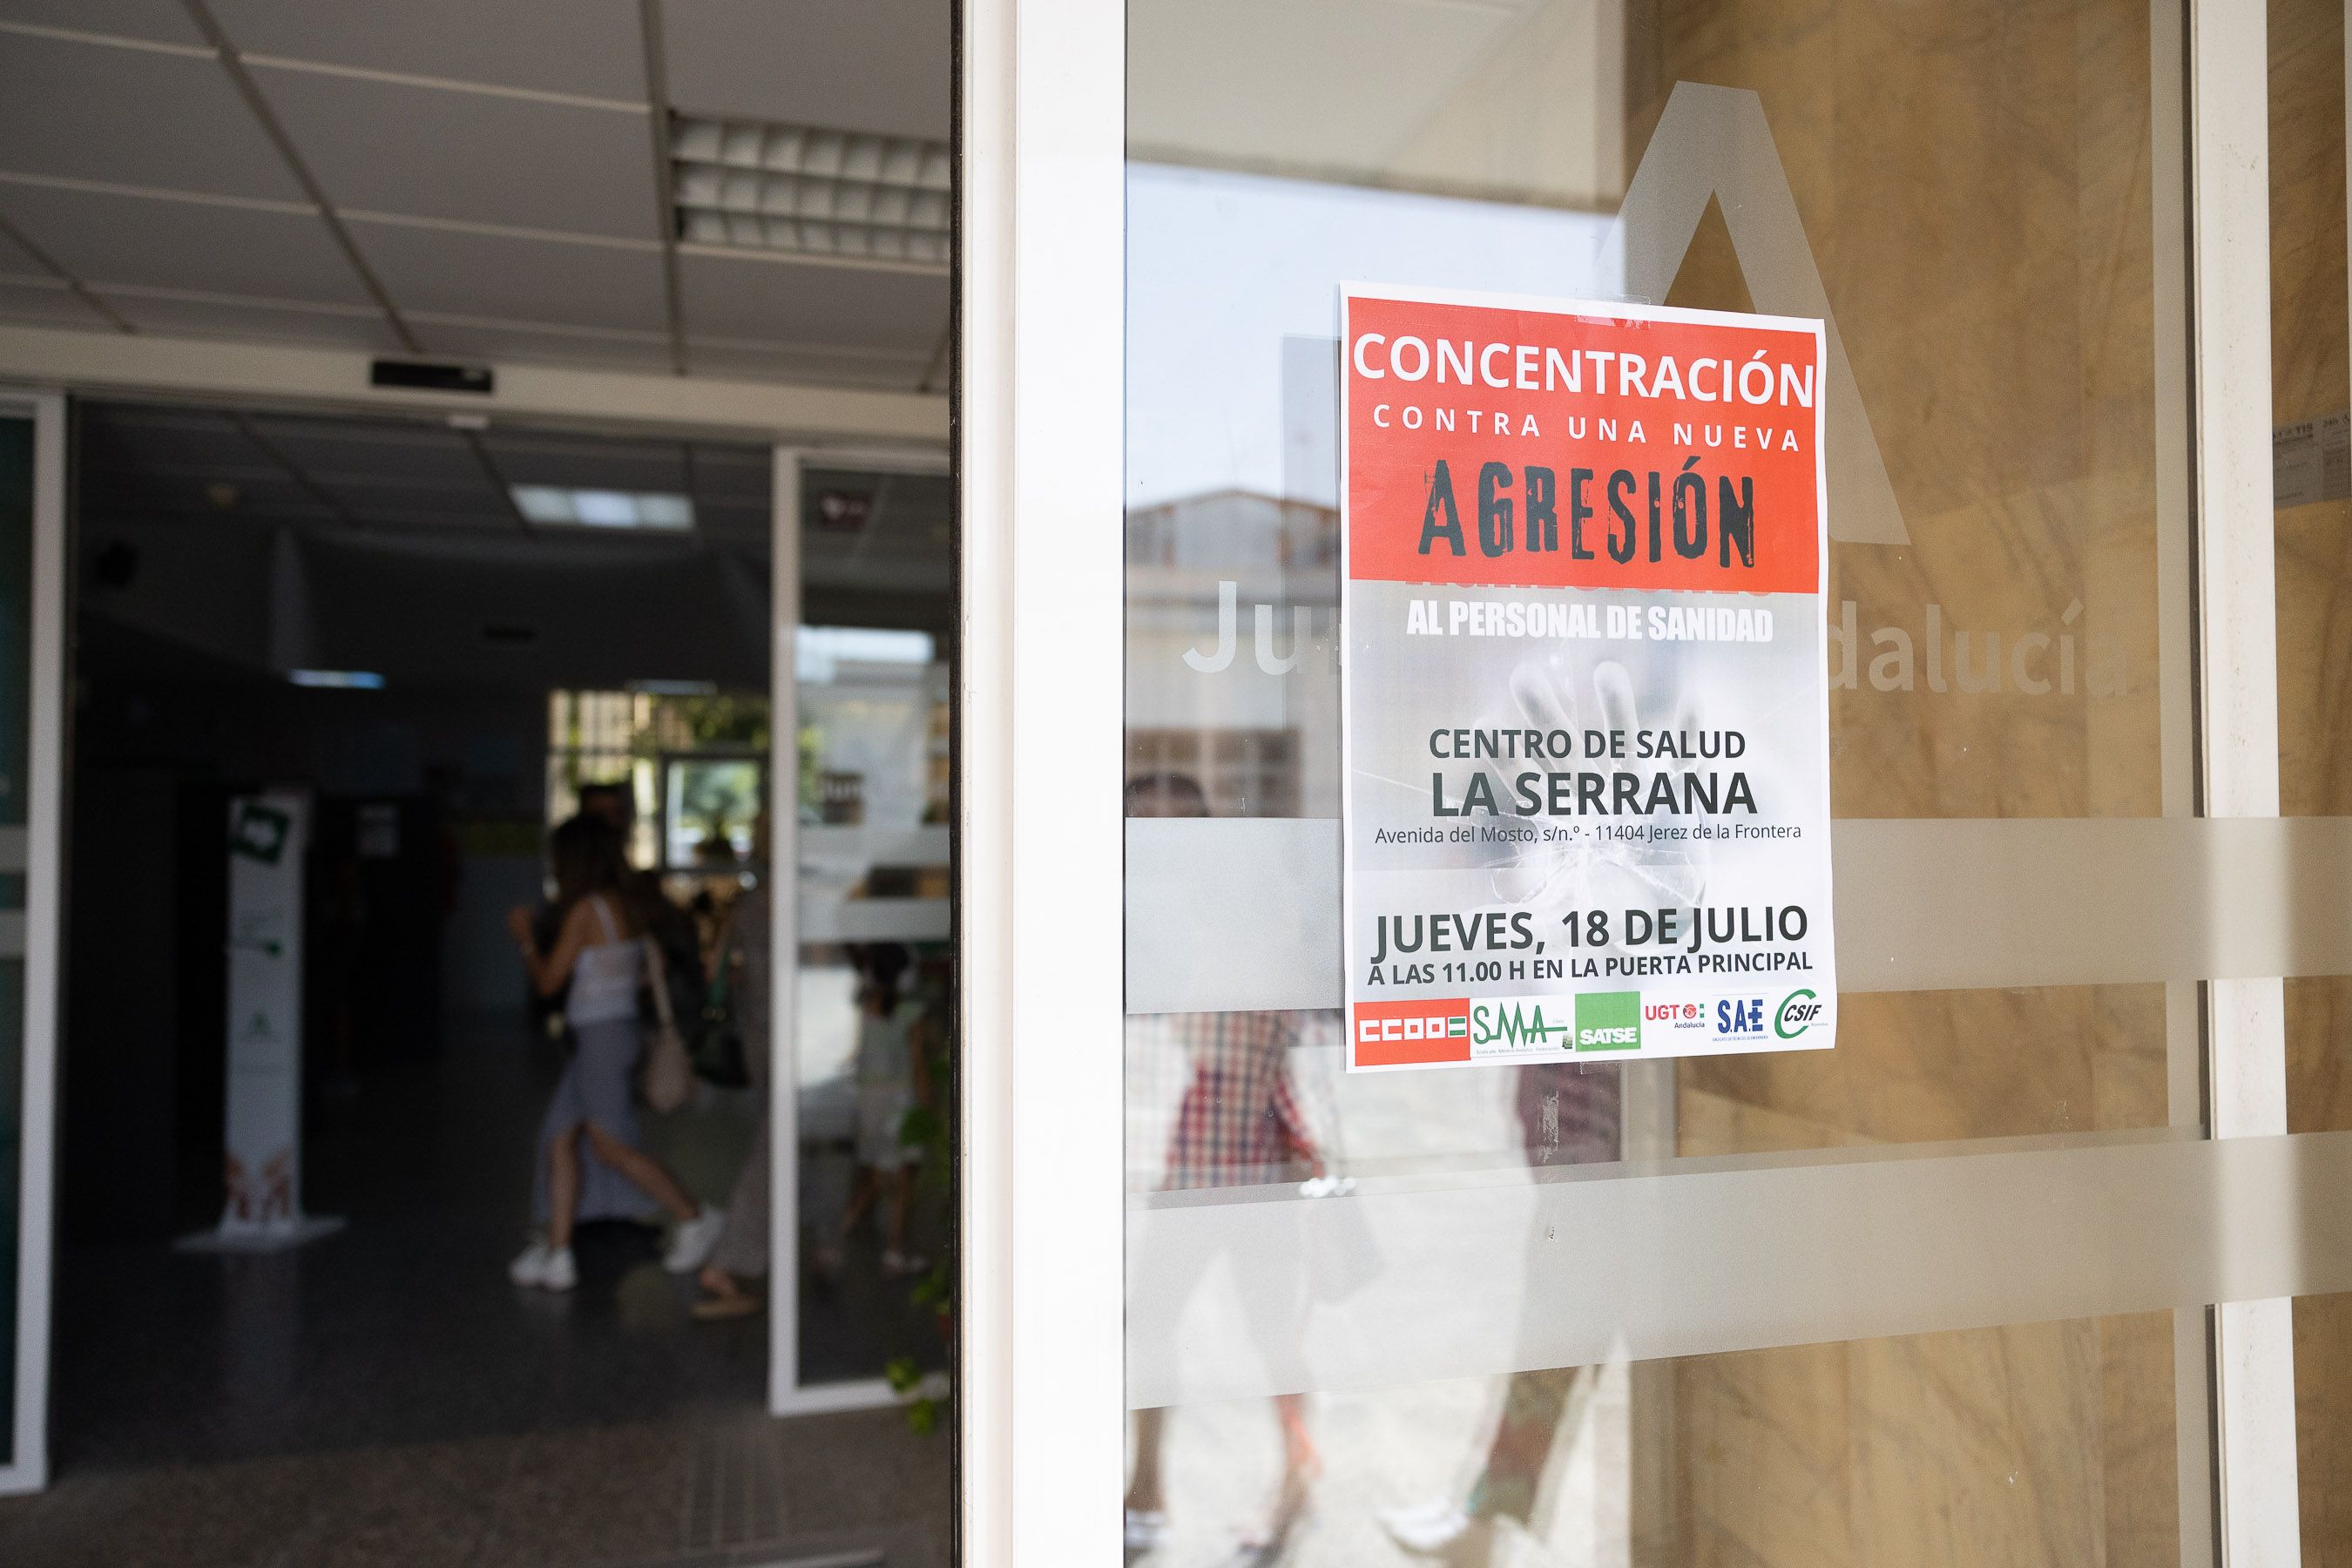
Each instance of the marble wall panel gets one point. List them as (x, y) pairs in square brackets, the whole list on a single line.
[(1976, 179)]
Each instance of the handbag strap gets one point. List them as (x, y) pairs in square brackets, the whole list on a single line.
[(660, 972)]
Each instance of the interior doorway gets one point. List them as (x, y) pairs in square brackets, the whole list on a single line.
[(443, 643)]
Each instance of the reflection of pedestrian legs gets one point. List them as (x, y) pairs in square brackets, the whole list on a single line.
[(1536, 1410), (1268, 1287), (1533, 1404), (1147, 1492), (741, 1255)]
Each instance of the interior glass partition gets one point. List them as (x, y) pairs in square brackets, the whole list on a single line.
[(17, 457), (32, 577), (872, 982)]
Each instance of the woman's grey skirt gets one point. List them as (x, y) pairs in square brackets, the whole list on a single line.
[(597, 1086)]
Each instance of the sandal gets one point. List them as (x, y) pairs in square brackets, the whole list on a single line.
[(725, 1306)]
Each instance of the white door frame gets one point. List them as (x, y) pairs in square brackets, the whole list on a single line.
[(1040, 397), (787, 1393), (28, 1466), (1039, 917)]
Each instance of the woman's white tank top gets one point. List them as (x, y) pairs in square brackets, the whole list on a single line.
[(605, 978)]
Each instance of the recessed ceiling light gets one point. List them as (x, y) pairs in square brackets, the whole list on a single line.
[(751, 185), (342, 679), (565, 506)]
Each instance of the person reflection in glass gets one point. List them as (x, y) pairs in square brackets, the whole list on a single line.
[(1238, 1121), (1569, 1115)]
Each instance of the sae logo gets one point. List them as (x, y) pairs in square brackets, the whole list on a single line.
[(1739, 1018), (1609, 1020), (1800, 1011)]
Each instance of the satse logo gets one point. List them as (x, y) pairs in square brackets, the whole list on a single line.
[(1608, 1021)]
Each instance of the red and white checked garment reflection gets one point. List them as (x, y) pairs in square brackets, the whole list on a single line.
[(1212, 1102)]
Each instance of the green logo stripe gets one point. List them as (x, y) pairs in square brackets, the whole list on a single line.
[(1608, 1021)]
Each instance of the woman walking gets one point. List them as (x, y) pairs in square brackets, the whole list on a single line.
[(590, 1164)]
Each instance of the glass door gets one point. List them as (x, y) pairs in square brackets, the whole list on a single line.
[(32, 689), (860, 801), (2000, 1274)]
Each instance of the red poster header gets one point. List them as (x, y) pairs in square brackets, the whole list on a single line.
[(1510, 444)]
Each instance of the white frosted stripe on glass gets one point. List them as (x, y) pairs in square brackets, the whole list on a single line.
[(1508, 1274), (874, 919)]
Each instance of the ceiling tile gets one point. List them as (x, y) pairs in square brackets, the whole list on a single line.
[(152, 21), (639, 466), (515, 278), (588, 46), (879, 65), (374, 451), (725, 472), (742, 362), (92, 111), (45, 302), (201, 494), (426, 152), (731, 520), (401, 505), (16, 259), (254, 251), (256, 321), (504, 342), (790, 305), (134, 434)]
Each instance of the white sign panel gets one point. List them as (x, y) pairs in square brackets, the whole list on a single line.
[(1585, 739)]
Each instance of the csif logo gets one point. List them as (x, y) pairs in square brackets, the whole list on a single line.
[(1800, 1011)]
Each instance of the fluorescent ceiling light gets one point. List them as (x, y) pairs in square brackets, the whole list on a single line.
[(675, 688), (751, 185), (343, 679), (603, 509)]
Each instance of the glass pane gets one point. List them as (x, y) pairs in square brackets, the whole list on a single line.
[(875, 972), (15, 719), (711, 806), (2000, 264), (2043, 1442), (2311, 391)]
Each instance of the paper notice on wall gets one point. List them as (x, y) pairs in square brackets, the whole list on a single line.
[(1585, 697), (2310, 460)]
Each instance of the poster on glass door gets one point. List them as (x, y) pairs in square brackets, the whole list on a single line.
[(1585, 736)]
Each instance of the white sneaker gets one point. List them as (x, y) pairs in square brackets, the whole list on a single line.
[(529, 1266), (692, 1243), (561, 1273)]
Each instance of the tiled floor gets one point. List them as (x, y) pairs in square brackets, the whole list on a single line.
[(384, 1396), (684, 1489)]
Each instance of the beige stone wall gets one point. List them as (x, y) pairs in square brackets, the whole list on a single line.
[(1975, 180)]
